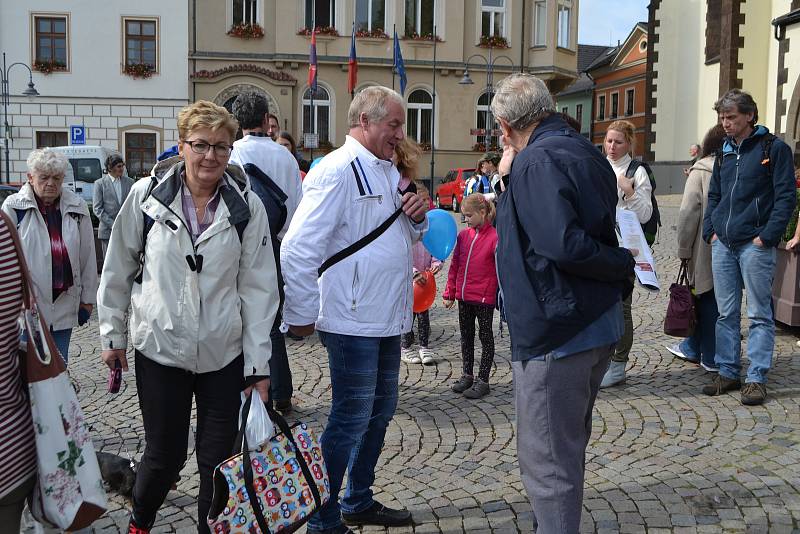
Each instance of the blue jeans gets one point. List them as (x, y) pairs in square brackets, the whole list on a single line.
[(701, 346), (750, 267), (364, 378), (61, 339)]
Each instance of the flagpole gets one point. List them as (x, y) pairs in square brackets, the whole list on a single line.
[(433, 110), (394, 52), (312, 114)]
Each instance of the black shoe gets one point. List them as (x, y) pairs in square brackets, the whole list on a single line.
[(462, 384), (293, 336), (721, 385), (283, 405), (341, 529), (378, 514)]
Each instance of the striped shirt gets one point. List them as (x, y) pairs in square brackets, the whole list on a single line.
[(17, 443)]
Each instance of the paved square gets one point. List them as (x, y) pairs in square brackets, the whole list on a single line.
[(663, 457)]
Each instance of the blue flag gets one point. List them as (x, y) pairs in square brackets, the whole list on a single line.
[(399, 67)]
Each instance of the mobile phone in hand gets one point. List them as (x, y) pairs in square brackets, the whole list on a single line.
[(115, 377)]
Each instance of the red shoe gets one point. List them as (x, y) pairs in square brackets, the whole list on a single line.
[(133, 529)]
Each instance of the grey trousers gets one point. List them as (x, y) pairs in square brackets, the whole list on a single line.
[(554, 400)]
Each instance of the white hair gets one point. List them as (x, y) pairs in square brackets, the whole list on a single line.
[(373, 101), (47, 161), (521, 100)]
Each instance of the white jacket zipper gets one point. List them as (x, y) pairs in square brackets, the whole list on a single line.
[(466, 267)]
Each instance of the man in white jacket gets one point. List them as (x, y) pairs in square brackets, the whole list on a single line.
[(361, 304), (257, 147)]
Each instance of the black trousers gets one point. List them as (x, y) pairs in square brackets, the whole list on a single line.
[(467, 315), (165, 398)]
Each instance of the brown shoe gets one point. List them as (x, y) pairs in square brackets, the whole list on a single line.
[(754, 393), (720, 385)]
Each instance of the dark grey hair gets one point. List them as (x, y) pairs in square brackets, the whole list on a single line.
[(521, 100), (739, 100), (373, 101), (47, 161), (249, 108)]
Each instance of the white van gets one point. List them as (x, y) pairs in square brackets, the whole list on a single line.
[(88, 165)]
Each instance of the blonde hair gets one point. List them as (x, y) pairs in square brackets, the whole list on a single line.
[(205, 114), (478, 202), (408, 153), (627, 129)]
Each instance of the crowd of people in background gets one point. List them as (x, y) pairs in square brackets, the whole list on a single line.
[(238, 241)]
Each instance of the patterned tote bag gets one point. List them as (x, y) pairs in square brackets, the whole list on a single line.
[(275, 487)]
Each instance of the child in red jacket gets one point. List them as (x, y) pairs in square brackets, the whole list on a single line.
[(472, 281)]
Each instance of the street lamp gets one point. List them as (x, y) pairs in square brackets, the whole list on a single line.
[(6, 95), (466, 80)]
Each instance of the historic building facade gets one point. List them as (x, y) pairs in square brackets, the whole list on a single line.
[(118, 71)]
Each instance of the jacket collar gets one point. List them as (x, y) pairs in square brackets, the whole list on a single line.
[(232, 190), (552, 123), (730, 143), (366, 157), (68, 202)]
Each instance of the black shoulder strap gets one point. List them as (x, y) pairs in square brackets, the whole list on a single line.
[(766, 147), (147, 225), (633, 166), (361, 243)]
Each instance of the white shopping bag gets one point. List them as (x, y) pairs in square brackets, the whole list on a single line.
[(259, 426)]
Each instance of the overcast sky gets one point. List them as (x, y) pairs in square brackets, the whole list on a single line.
[(601, 24)]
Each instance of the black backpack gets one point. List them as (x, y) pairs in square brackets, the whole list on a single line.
[(650, 228)]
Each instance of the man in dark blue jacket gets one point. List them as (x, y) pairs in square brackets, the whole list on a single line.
[(750, 200), (563, 278)]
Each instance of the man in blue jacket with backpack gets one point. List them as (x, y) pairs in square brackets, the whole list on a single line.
[(750, 200)]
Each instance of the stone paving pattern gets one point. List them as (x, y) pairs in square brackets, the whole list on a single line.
[(663, 457)]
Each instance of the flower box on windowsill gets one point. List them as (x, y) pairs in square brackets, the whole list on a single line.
[(372, 35), (425, 147), (139, 70), (324, 33), (493, 41), (481, 147), (246, 31), (46, 67), (426, 38)]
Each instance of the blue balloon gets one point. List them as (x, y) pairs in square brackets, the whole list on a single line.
[(314, 163), (440, 239)]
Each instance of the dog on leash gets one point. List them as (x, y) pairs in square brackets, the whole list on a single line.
[(117, 472)]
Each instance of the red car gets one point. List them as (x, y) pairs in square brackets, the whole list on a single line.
[(450, 192)]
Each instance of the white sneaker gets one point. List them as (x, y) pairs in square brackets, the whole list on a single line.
[(678, 353), (409, 355), (710, 368), (427, 356)]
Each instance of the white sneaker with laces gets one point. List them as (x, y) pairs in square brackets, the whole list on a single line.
[(409, 355), (678, 353), (427, 356)]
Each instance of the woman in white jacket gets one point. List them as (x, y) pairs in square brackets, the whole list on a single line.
[(202, 302), (58, 241), (632, 194)]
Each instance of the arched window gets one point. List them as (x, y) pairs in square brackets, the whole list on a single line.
[(317, 120), (419, 121), (483, 117)]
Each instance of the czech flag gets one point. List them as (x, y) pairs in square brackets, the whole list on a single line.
[(312, 63), (352, 64)]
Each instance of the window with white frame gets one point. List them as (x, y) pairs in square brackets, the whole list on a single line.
[(564, 23), (50, 40), (614, 105), (140, 152), (565, 110), (579, 114), (540, 23), (370, 15), (483, 118), (419, 118), (629, 95), (141, 42), (317, 119), (601, 107), (420, 18), (493, 15), (320, 13), (245, 11)]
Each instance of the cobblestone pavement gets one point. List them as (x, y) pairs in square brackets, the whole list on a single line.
[(663, 457)]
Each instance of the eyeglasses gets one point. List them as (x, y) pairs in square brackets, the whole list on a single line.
[(119, 165), (202, 147)]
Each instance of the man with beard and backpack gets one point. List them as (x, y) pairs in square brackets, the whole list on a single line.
[(275, 177)]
